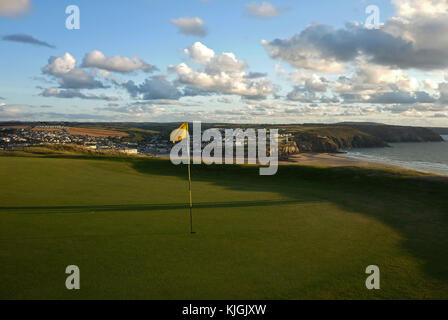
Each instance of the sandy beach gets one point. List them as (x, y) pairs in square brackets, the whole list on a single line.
[(322, 160), (336, 160), (330, 160)]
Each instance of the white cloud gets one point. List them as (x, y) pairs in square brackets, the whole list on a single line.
[(73, 93), (262, 10), (311, 82), (12, 8), (137, 109), (10, 111), (279, 71), (443, 91), (299, 54), (64, 69), (153, 88), (429, 84), (411, 8), (225, 63), (190, 26), (403, 42), (369, 79), (200, 53), (371, 66), (60, 65), (225, 100), (221, 74), (97, 59)]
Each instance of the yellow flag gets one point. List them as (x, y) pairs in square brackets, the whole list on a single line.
[(179, 134)]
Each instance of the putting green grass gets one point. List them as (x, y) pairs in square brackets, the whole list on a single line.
[(306, 233)]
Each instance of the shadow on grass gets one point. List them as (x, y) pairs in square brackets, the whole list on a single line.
[(143, 207), (416, 206)]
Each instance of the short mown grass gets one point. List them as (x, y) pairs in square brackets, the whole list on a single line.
[(305, 233)]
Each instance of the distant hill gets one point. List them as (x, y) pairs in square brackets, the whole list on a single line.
[(360, 123), (398, 133), (443, 131)]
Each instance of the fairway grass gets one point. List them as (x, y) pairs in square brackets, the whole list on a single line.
[(306, 233)]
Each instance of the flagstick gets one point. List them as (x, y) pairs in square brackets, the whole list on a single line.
[(189, 182)]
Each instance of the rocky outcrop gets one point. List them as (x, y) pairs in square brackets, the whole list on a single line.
[(287, 149), (309, 142), (333, 140)]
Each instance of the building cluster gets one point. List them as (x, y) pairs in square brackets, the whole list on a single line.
[(17, 138), (154, 145)]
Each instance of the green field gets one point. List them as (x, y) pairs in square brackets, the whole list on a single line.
[(306, 233)]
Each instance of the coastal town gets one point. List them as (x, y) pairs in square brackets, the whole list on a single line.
[(18, 137)]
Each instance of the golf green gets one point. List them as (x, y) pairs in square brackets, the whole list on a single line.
[(305, 233)]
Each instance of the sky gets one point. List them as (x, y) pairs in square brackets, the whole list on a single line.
[(284, 61)]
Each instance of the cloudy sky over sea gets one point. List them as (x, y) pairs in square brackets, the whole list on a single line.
[(284, 61)]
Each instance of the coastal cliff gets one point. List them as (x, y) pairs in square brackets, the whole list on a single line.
[(400, 133), (333, 139)]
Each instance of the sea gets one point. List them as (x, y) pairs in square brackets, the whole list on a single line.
[(429, 157)]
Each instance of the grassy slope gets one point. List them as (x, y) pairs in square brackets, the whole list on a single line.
[(304, 233)]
